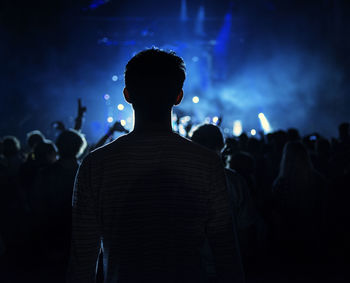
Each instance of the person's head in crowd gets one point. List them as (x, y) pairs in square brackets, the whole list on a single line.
[(11, 146), (269, 138), (323, 148), (45, 153), (309, 141), (70, 144), (293, 134), (279, 140), (153, 82), (209, 136), (344, 131), (33, 138), (295, 161), (242, 141)]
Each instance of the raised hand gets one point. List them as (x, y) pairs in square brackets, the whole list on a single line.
[(81, 109), (118, 127), (79, 119)]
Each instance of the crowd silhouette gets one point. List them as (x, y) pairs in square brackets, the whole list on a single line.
[(288, 193)]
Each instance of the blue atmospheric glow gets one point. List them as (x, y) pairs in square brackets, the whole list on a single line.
[(199, 27), (97, 3), (237, 128), (183, 11), (224, 35)]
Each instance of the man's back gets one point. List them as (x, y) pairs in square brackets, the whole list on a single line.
[(152, 200)]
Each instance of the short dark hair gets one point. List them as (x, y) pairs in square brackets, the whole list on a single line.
[(70, 143), (154, 77), (11, 146), (34, 137), (208, 135)]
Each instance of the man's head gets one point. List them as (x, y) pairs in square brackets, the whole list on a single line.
[(70, 144), (153, 80), (34, 137), (11, 146), (210, 136)]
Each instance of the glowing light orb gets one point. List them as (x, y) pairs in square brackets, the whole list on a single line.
[(114, 78), (215, 119), (110, 119), (120, 107), (253, 132), (237, 128), (195, 99), (265, 123), (106, 96), (123, 122), (195, 59)]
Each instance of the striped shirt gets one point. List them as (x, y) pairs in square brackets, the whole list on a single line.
[(150, 202)]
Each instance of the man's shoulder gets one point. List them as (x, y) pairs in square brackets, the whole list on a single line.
[(173, 141), (187, 145)]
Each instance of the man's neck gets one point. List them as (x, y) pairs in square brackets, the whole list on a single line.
[(155, 124)]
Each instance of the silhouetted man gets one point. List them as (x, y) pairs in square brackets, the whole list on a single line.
[(151, 198)]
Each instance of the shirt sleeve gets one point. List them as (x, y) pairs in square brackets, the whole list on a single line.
[(221, 230), (85, 244)]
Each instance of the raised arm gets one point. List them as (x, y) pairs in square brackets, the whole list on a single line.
[(117, 127), (86, 235), (79, 120), (222, 231)]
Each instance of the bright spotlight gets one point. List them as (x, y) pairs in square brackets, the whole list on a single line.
[(123, 122), (182, 130), (195, 99), (237, 128), (110, 119), (215, 119), (264, 123), (114, 78), (185, 119), (120, 107), (253, 132)]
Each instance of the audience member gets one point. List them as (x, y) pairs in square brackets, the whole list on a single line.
[(151, 196)]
